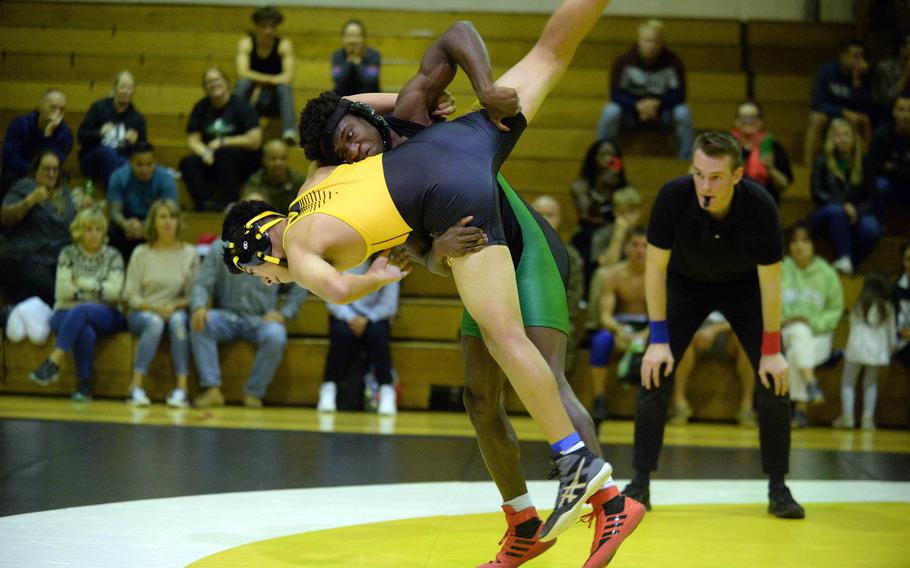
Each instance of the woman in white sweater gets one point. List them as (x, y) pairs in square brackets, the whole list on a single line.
[(158, 282), (87, 295)]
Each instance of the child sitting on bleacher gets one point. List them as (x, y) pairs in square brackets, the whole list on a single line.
[(869, 347)]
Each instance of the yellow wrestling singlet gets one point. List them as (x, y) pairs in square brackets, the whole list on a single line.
[(358, 195)]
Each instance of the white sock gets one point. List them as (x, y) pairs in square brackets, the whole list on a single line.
[(520, 503), (608, 483)]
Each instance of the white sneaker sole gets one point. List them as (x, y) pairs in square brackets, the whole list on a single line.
[(571, 516)]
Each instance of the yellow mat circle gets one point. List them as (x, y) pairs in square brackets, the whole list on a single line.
[(841, 535)]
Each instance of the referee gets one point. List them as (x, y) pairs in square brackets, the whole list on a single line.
[(715, 243)]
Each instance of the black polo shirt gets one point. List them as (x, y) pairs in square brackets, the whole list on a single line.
[(709, 250)]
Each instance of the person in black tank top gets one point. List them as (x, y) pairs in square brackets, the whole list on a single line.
[(265, 69)]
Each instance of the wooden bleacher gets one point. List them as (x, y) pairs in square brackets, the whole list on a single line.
[(78, 47)]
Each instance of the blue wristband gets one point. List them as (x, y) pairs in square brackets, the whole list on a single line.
[(659, 332)]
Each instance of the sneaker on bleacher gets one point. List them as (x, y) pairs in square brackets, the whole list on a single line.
[(138, 398), (327, 394), (178, 399)]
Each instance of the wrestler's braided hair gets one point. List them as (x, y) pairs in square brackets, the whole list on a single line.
[(313, 119), (233, 229)]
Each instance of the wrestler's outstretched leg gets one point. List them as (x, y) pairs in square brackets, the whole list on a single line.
[(486, 284), (501, 454), (615, 516), (552, 346), (539, 71)]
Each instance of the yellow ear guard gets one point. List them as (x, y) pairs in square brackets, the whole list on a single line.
[(255, 247)]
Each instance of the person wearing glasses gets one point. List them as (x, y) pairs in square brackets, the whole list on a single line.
[(36, 216)]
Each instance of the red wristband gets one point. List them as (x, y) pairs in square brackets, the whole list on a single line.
[(770, 343)]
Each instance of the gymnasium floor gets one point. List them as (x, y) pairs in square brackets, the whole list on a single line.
[(104, 485)]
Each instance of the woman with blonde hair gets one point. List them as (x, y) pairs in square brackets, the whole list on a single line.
[(843, 198), (157, 290), (89, 282)]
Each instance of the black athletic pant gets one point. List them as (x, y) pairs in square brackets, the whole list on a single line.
[(213, 187), (344, 347), (688, 303), (117, 238), (25, 278)]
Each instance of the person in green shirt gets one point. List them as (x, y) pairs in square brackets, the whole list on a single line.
[(813, 304)]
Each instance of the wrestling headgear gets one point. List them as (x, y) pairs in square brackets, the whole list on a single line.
[(254, 247), (362, 110)]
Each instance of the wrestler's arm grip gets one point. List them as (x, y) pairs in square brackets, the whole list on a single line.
[(460, 46)]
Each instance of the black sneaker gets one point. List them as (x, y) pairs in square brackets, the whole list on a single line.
[(581, 474), (47, 372), (641, 493), (782, 505)]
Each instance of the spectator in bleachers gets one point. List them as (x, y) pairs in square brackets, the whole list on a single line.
[(869, 347), (362, 325), (623, 320), (36, 215), (157, 292), (89, 283), (355, 67), (224, 137), (275, 181), (648, 87), (606, 244), (265, 70), (764, 160), (225, 307), (110, 126), (841, 190), (714, 339), (602, 173), (549, 209), (132, 190), (900, 297), (889, 159), (30, 134), (892, 78), (813, 303), (607, 248), (842, 89)]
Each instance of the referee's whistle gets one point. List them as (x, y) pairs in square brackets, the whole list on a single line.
[(706, 201)]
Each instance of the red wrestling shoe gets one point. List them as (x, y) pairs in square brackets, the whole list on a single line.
[(616, 517), (516, 550)]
